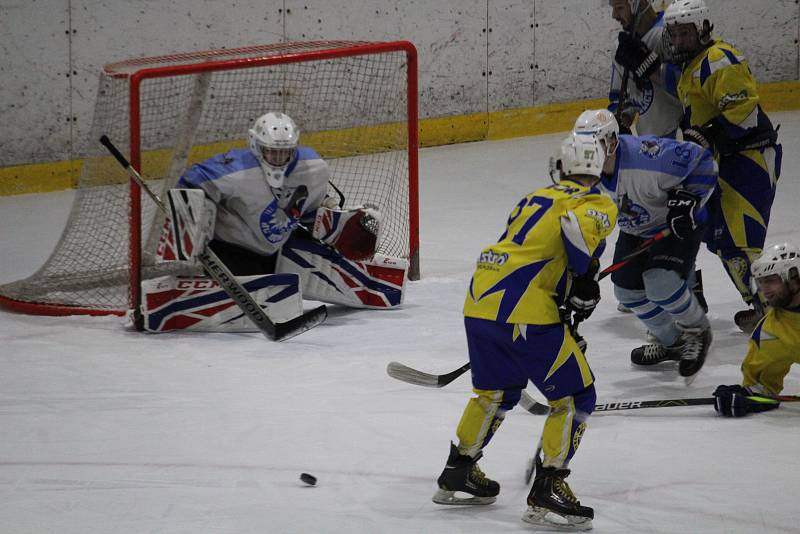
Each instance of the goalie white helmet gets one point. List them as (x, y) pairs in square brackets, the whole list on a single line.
[(783, 260), (273, 141), (602, 124), (580, 155), (680, 12)]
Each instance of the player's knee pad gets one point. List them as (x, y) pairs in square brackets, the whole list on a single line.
[(327, 276), (482, 417)]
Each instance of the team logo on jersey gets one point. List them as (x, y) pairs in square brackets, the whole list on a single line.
[(490, 258), (631, 214), (600, 217), (731, 98), (644, 99), (650, 149), (275, 223)]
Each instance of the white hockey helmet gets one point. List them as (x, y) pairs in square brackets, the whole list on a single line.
[(688, 12), (602, 124), (580, 154), (783, 260), (273, 141)]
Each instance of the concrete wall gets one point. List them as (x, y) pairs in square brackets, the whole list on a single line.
[(474, 55)]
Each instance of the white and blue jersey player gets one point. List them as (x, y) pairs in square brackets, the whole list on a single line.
[(262, 193), (657, 184)]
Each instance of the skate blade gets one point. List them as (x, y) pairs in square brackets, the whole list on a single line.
[(542, 517), (452, 497)]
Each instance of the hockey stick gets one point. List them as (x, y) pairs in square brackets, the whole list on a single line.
[(405, 373), (643, 247), (538, 408), (626, 72), (219, 272)]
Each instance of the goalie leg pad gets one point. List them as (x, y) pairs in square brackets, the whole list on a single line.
[(200, 304), (327, 276)]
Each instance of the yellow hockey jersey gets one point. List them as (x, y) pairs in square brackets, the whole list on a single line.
[(774, 346), (523, 278), (719, 82)]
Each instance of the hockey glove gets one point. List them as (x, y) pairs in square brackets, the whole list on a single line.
[(634, 55), (680, 217), (584, 294), (738, 401)]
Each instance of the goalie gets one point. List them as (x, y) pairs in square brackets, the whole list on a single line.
[(266, 213)]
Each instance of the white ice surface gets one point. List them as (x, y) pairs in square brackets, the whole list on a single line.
[(107, 430)]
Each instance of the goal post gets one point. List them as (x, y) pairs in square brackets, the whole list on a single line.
[(355, 103)]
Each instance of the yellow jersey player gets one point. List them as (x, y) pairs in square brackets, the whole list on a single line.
[(545, 259), (775, 342), (722, 112)]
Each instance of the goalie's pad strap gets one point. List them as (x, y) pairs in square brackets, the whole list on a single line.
[(327, 276), (198, 303)]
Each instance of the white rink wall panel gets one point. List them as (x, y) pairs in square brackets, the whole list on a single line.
[(766, 32), (511, 54), (106, 31), (474, 55), (36, 89), (450, 38), (574, 43)]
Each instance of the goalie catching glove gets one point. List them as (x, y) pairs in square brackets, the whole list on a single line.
[(738, 401), (352, 232)]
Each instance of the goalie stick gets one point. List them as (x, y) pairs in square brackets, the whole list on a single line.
[(219, 272)]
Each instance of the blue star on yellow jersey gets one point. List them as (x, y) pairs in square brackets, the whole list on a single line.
[(523, 278)]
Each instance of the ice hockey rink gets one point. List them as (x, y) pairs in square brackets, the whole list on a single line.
[(103, 429)]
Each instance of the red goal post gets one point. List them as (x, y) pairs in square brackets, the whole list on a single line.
[(355, 103)]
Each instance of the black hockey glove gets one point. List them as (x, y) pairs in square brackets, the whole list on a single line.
[(634, 55), (680, 217), (738, 401), (584, 294)]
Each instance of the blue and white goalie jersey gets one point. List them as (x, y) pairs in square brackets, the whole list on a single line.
[(646, 170), (249, 213)]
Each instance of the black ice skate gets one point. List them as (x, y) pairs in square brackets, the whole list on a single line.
[(552, 504), (747, 320), (462, 475), (696, 342), (653, 353)]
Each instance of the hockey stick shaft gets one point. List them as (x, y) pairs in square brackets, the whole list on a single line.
[(538, 408), (643, 247), (220, 272)]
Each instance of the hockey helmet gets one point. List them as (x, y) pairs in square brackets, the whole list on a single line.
[(600, 123), (679, 13), (580, 155), (783, 260), (273, 141)]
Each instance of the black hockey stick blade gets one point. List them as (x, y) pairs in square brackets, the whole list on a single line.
[(301, 323), (529, 404), (405, 373)]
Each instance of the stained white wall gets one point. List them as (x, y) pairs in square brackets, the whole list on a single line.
[(474, 55)]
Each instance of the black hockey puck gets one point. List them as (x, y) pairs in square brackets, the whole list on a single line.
[(311, 480)]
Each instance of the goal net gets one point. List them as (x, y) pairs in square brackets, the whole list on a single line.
[(354, 102)]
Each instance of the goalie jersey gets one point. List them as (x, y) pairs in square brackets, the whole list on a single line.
[(524, 277), (646, 169), (250, 214)]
